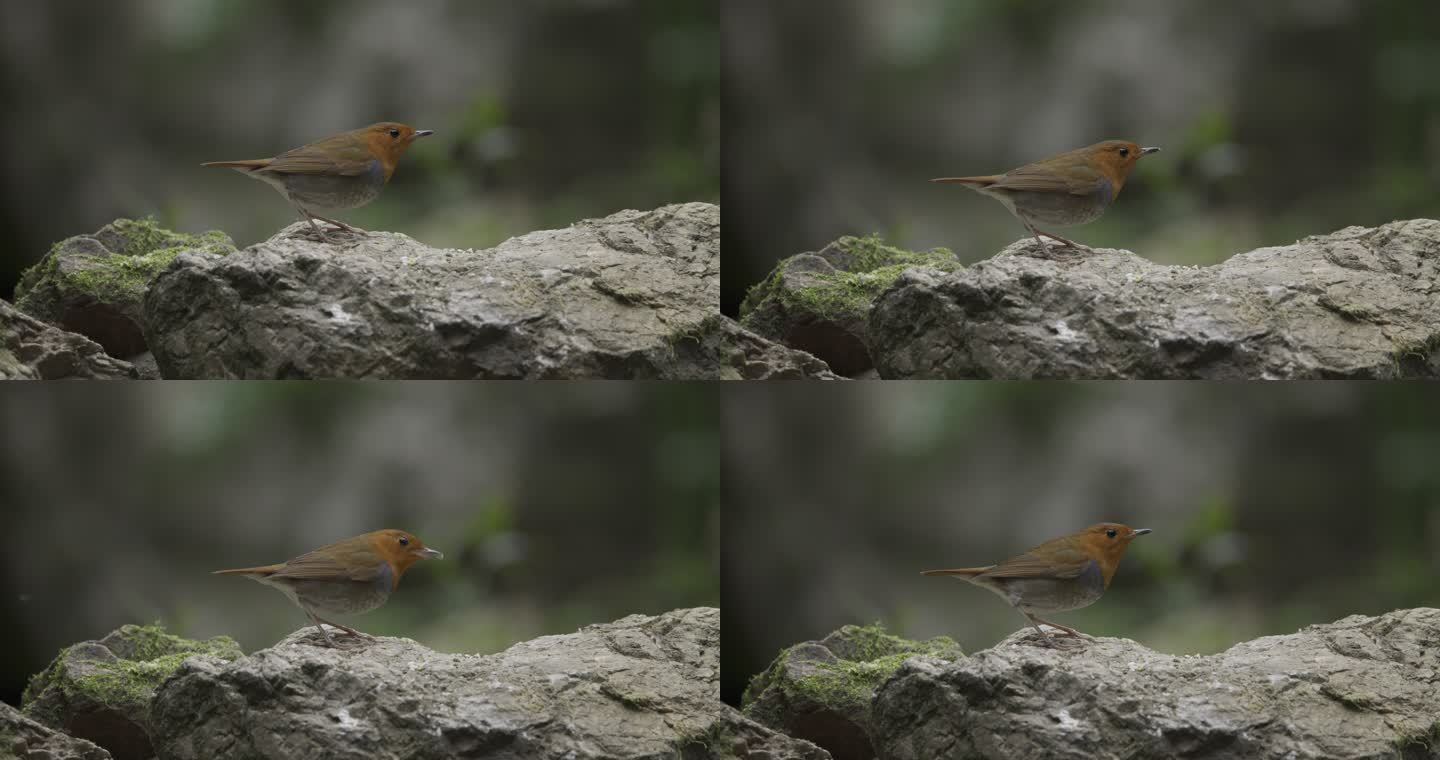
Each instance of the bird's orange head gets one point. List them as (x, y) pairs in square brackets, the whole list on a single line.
[(1106, 543), (1116, 158), (388, 141), (400, 549)]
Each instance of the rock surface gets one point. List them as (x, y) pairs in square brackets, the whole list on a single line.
[(1361, 687), (641, 687), (1358, 303), (820, 302), (94, 284), (33, 350), (101, 690), (26, 739), (821, 691), (603, 298), (722, 349)]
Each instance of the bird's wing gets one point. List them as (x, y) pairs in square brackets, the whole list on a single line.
[(1059, 563), (322, 565), (339, 155), (1076, 179)]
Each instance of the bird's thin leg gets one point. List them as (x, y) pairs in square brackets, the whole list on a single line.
[(339, 224), (1067, 629), (346, 629), (1036, 233), (1035, 622), (311, 219), (1053, 236), (317, 621)]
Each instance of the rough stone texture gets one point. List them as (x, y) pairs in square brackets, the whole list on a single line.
[(641, 687), (603, 298), (1358, 303), (33, 350), (821, 690), (101, 690), (26, 739), (720, 348), (94, 284), (820, 302), (1361, 687), (737, 736)]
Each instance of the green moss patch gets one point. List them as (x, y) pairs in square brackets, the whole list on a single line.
[(863, 268), (137, 250), (101, 690)]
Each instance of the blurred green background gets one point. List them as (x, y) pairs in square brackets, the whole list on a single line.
[(1273, 506), (1278, 119), (556, 506), (545, 112)]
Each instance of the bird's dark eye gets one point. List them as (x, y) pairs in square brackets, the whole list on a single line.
[(406, 542), (1109, 532), (396, 133), (1123, 153)]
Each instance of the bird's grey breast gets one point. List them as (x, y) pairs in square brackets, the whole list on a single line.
[(1058, 594), (344, 597), (1065, 209), (337, 191)]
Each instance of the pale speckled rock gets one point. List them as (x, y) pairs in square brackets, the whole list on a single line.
[(26, 739), (641, 687), (1359, 688), (1358, 303), (602, 298), (34, 350)]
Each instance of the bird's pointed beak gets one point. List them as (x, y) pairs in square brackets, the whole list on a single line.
[(428, 132), (428, 553), (1141, 531), (1146, 152)]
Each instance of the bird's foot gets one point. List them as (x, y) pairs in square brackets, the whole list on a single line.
[(347, 629)]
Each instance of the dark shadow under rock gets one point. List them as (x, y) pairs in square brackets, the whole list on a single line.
[(27, 739), (721, 347), (34, 350)]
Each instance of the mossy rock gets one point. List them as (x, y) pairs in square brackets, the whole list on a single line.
[(821, 691), (95, 284), (101, 690), (820, 302)]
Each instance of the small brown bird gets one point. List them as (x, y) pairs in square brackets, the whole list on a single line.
[(1062, 574), (1065, 190), (342, 171), (351, 576)]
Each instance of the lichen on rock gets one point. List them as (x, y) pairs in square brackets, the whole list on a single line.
[(820, 302), (101, 690), (820, 691), (95, 285)]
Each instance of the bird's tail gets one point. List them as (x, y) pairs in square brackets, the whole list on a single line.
[(984, 181), (254, 163), (963, 572), (261, 570)]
